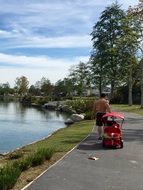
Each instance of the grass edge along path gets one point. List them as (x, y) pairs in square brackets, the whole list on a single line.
[(126, 108), (60, 141)]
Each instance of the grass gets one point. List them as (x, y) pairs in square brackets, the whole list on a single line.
[(64, 139), (8, 176), (126, 108), (35, 155)]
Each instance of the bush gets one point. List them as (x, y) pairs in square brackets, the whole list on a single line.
[(41, 155), (47, 152), (15, 155), (10, 173), (25, 163), (88, 115), (8, 176), (82, 105), (37, 159)]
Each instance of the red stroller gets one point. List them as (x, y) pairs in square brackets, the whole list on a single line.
[(112, 132)]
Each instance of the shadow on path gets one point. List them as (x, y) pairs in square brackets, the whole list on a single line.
[(90, 143), (133, 135)]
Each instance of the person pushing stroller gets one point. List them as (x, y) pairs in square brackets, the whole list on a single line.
[(100, 108)]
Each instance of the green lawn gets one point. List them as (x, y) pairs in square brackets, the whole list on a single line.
[(125, 108)]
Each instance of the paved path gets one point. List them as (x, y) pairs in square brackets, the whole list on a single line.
[(116, 169)]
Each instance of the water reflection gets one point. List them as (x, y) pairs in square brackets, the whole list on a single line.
[(22, 125)]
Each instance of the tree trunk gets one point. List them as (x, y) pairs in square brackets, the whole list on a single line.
[(130, 102), (100, 86), (112, 89), (141, 83)]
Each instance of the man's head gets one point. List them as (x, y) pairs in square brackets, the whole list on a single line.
[(103, 95)]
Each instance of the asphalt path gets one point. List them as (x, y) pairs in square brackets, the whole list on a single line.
[(114, 169)]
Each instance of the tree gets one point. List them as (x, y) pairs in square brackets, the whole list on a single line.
[(79, 74), (138, 11), (128, 46), (21, 85), (5, 89), (46, 86), (33, 90), (105, 57)]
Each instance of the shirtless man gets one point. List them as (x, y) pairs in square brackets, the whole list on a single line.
[(100, 108)]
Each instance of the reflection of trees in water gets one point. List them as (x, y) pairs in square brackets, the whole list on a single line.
[(20, 109), (4, 105), (49, 114)]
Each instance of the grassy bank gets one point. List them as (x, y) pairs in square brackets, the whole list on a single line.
[(125, 108), (33, 159)]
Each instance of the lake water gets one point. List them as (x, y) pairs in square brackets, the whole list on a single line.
[(22, 125)]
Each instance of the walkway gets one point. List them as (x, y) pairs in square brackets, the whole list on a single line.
[(116, 169)]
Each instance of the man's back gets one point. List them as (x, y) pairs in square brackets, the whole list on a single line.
[(102, 106)]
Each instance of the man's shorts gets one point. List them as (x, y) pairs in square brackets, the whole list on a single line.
[(99, 121)]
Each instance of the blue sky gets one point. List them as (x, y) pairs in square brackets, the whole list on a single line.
[(46, 38)]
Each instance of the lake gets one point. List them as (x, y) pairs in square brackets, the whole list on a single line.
[(21, 125)]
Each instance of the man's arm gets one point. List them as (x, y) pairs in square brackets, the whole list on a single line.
[(108, 107), (94, 110)]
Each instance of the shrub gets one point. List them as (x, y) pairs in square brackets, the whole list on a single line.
[(47, 152), (41, 155), (88, 115), (10, 173), (37, 159), (15, 155), (82, 105), (25, 163), (8, 176)]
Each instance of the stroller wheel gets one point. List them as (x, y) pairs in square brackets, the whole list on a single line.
[(103, 143), (122, 145)]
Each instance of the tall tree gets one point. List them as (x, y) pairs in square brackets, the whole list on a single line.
[(128, 46), (105, 35), (138, 11)]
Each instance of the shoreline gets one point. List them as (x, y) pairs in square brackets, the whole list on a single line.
[(24, 146), (63, 140)]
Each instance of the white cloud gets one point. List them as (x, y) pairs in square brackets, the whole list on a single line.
[(46, 24), (16, 40), (35, 67)]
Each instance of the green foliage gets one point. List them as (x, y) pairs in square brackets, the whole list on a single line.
[(8, 176), (46, 152), (115, 43), (37, 159), (105, 58), (82, 105), (40, 100), (25, 163), (15, 155), (21, 85), (88, 115), (80, 75)]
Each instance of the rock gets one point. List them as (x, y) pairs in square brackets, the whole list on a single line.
[(77, 117), (69, 121), (50, 105)]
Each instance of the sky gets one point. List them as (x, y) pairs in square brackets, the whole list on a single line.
[(45, 38)]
